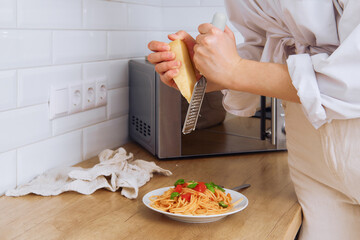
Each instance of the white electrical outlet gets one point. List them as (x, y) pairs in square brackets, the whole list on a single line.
[(75, 98), (101, 93), (59, 102), (89, 95)]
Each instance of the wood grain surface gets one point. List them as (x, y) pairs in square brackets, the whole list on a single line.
[(273, 211)]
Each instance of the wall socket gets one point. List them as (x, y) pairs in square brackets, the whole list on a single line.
[(89, 98), (77, 97), (101, 93)]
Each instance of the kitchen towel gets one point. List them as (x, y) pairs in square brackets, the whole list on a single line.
[(116, 169)]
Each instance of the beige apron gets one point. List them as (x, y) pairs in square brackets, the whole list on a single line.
[(325, 169)]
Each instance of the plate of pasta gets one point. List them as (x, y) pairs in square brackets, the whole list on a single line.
[(195, 202)]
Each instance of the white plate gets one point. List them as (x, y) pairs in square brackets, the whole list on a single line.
[(198, 218)]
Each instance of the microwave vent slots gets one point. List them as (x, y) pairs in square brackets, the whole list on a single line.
[(141, 127)]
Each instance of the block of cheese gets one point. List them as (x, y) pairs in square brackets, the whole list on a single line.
[(186, 78)]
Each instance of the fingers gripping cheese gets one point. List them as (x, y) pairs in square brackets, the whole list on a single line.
[(186, 78)]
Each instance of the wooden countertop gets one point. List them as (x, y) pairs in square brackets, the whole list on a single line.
[(273, 211)]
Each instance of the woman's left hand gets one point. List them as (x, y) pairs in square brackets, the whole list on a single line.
[(216, 56)]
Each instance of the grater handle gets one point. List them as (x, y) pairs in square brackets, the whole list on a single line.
[(219, 20)]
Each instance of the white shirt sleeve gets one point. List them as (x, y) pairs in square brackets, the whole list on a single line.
[(235, 102), (329, 85)]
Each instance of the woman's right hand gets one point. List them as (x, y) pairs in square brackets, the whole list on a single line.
[(164, 59)]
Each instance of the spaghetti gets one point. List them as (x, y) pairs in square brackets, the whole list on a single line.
[(193, 198)]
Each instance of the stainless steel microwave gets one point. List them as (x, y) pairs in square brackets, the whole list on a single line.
[(157, 112)]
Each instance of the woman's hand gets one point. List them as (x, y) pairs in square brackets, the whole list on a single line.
[(164, 60), (216, 56)]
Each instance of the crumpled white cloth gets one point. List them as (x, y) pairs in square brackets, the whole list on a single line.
[(116, 169)]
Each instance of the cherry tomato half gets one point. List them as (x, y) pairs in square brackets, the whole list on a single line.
[(178, 188), (186, 196), (201, 187)]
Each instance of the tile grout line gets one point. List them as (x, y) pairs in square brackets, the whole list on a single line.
[(70, 63), (17, 168), (17, 13), (17, 89)]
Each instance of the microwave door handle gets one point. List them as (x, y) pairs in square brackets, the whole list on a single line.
[(273, 120), (262, 117)]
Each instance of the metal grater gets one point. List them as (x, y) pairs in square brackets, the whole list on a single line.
[(193, 111), (192, 115)]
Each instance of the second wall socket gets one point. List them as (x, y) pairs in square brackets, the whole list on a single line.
[(89, 93)]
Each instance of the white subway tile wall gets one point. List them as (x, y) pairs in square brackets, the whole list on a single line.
[(174, 17), (24, 48), (104, 15), (151, 17), (35, 83), (24, 126), (8, 90), (212, 2), (52, 43), (115, 71), (64, 150), (51, 14), (177, 3), (126, 43), (7, 13), (118, 102), (101, 136), (7, 170), (79, 46), (78, 120), (142, 2)]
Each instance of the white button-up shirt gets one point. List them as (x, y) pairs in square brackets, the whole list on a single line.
[(320, 42)]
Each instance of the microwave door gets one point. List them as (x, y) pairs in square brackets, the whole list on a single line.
[(219, 132)]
